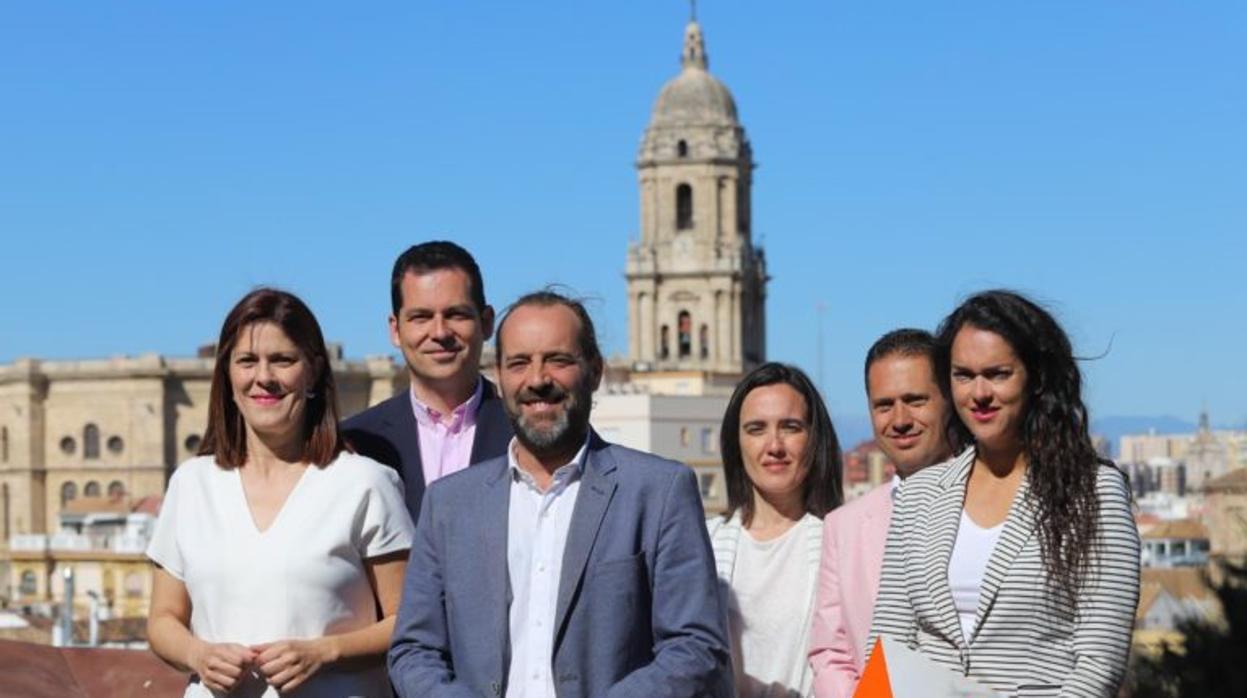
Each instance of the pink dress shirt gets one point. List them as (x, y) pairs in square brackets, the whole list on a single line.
[(446, 439), (848, 582)]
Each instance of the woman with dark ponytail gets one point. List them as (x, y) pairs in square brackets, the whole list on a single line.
[(1016, 563)]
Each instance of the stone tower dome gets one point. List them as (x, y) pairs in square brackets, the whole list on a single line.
[(696, 283), (694, 97)]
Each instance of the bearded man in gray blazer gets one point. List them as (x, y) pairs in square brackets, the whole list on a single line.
[(569, 566)]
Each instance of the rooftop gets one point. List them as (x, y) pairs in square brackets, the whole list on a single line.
[(1178, 528), (1235, 481)]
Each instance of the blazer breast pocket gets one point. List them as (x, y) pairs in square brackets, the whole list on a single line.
[(625, 572)]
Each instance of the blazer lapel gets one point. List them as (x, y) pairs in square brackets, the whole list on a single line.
[(597, 486), (944, 522), (1019, 527), (495, 513), (493, 430), (404, 433)]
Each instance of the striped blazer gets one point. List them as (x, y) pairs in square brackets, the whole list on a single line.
[(1025, 641), (724, 538)]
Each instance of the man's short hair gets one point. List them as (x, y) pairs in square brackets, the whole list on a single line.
[(906, 341), (545, 298), (432, 256)]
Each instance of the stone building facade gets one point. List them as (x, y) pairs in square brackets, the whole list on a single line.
[(108, 431), (117, 427)]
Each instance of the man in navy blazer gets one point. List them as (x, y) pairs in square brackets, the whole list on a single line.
[(569, 566), (451, 417)]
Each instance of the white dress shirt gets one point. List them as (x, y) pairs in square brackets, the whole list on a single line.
[(537, 527)]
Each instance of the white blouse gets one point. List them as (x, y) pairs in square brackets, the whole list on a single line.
[(772, 590), (303, 577), (967, 566)]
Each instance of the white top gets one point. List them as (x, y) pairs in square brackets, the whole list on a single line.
[(769, 614), (967, 566), (537, 526), (303, 577)]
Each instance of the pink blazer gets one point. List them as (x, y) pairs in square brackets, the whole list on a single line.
[(848, 581)]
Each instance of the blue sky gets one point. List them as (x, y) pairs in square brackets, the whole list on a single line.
[(157, 160)]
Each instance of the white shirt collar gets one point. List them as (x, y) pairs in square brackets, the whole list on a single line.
[(564, 473)]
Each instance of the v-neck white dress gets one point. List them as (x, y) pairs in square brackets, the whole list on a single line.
[(303, 577)]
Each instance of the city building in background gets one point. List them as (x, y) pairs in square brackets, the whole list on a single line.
[(86, 448)]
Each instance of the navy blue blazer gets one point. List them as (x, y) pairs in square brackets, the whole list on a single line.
[(638, 611), (387, 433)]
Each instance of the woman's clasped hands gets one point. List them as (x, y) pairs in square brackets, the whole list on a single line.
[(284, 664)]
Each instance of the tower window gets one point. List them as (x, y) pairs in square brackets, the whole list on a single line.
[(116, 490), (4, 444), (92, 489), (664, 349), (703, 341), (116, 444), (685, 334), (681, 149), (90, 441), (683, 207)]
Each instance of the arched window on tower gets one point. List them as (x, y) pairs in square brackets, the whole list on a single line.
[(685, 334), (683, 207), (69, 492), (116, 490), (664, 348), (90, 441), (703, 341), (681, 149), (4, 444), (91, 490)]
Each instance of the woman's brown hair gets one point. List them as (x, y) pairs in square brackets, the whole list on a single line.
[(226, 436)]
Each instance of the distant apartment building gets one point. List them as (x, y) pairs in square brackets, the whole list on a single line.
[(680, 427), (865, 467), (1198, 458)]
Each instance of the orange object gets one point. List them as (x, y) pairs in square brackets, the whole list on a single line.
[(875, 683)]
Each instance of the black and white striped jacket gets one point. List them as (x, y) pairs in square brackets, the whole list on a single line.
[(1026, 642)]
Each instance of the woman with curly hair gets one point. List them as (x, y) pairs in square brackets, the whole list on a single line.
[(1016, 563)]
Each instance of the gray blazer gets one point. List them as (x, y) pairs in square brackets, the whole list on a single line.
[(638, 613), (1026, 641)]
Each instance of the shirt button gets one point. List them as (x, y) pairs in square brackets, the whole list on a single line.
[(541, 567)]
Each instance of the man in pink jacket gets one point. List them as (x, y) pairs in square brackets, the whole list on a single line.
[(908, 415)]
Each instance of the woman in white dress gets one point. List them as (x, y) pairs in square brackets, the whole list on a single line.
[(280, 555), (781, 461)]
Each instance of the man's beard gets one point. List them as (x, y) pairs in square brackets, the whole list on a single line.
[(564, 432)]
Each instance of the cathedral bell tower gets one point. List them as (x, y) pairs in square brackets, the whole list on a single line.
[(696, 283)]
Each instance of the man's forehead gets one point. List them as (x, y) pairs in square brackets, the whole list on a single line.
[(443, 287), (912, 370), (540, 329)]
